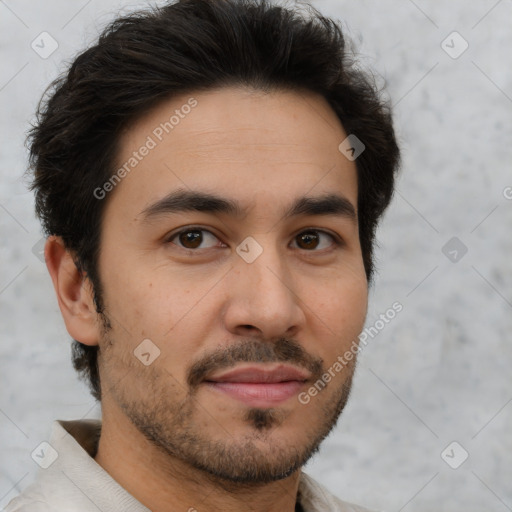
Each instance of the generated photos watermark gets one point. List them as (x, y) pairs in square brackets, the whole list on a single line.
[(157, 135), (357, 346)]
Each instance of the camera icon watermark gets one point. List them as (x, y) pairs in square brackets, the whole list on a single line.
[(351, 147), (44, 455), (454, 249), (146, 352), (454, 45), (249, 249), (454, 455), (44, 45), (507, 193)]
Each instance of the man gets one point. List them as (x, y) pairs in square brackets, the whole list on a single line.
[(210, 176)]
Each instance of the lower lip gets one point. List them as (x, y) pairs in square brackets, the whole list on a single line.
[(258, 394)]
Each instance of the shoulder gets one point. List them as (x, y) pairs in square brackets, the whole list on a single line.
[(23, 503)]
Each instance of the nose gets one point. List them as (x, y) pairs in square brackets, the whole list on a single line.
[(263, 298)]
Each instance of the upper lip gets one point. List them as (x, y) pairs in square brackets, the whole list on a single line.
[(260, 373)]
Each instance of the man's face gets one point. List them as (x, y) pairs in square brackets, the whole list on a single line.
[(211, 300)]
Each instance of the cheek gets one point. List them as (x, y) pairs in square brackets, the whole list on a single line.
[(141, 296), (163, 307), (341, 309)]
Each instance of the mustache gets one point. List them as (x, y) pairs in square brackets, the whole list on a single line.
[(283, 350)]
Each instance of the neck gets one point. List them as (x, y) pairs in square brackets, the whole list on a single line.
[(163, 483)]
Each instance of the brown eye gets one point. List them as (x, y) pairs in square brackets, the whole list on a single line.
[(194, 239), (307, 240), (191, 239), (311, 239)]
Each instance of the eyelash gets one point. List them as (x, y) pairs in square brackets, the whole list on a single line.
[(336, 240)]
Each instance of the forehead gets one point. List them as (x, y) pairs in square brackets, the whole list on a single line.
[(236, 142)]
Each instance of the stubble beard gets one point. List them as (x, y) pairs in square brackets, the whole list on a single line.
[(232, 463)]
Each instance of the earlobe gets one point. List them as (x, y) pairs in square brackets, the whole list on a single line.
[(74, 293)]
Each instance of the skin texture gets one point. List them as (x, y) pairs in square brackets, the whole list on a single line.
[(168, 438)]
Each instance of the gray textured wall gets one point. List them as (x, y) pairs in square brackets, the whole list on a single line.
[(437, 373)]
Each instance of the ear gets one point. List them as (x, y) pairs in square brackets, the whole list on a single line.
[(74, 293)]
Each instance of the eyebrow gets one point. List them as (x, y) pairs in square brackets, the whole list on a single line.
[(182, 200)]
